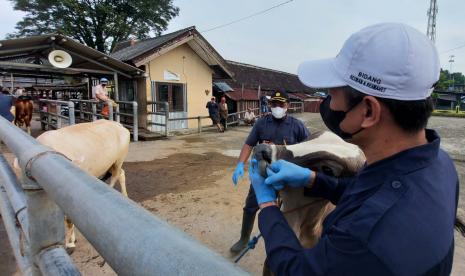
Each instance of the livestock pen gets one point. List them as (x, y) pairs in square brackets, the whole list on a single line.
[(32, 210)]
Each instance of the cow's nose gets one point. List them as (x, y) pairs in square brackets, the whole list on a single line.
[(262, 165)]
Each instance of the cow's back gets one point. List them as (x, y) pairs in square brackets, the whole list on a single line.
[(94, 147)]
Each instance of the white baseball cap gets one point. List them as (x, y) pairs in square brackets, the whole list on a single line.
[(388, 60)]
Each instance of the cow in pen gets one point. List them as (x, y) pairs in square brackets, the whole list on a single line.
[(23, 113), (98, 148)]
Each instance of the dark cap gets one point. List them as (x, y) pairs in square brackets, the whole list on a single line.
[(280, 96)]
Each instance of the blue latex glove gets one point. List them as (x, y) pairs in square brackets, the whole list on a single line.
[(238, 172), (263, 192), (287, 173)]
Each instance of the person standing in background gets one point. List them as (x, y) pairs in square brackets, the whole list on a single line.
[(6, 103), (213, 112), (223, 107)]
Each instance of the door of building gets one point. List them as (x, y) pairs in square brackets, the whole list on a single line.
[(175, 95)]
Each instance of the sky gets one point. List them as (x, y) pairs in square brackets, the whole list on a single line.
[(302, 29)]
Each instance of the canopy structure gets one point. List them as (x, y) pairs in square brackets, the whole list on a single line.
[(25, 62)]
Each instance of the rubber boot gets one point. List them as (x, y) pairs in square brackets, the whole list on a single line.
[(248, 220)]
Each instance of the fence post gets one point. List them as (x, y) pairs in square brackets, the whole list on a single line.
[(135, 123), (199, 124), (94, 111), (71, 117), (58, 113), (110, 110), (49, 117), (46, 220), (167, 118), (81, 109), (42, 115), (118, 118)]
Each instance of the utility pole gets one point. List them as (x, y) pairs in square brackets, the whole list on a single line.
[(432, 12), (451, 60)]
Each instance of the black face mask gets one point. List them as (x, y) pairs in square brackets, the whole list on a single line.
[(333, 118)]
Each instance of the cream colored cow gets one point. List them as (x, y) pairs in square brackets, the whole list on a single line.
[(96, 148), (323, 152)]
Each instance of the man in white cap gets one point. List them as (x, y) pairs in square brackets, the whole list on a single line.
[(397, 215), (100, 92)]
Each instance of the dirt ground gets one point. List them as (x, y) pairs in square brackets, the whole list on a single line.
[(186, 180)]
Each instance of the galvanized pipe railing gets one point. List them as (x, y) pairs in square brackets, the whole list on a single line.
[(24, 261), (15, 194), (236, 117), (131, 239), (114, 114), (57, 114), (164, 112), (134, 127), (15, 217)]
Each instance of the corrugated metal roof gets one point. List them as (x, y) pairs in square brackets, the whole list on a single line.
[(45, 43), (140, 47), (141, 52), (222, 86)]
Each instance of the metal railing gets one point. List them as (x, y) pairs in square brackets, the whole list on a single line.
[(158, 110), (91, 110), (126, 114), (132, 240), (296, 106), (198, 118), (53, 112), (235, 118)]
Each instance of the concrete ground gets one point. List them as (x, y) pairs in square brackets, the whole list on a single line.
[(186, 180)]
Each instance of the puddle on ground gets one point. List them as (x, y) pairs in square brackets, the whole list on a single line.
[(231, 153)]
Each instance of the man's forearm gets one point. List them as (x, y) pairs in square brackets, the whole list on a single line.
[(245, 153)]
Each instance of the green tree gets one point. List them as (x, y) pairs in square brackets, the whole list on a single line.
[(446, 80), (99, 24)]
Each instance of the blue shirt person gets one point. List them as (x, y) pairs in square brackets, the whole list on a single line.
[(263, 104), (396, 217), (6, 102), (214, 113), (276, 128)]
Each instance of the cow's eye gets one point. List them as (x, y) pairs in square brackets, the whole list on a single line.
[(327, 170)]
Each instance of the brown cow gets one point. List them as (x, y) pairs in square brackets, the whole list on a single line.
[(23, 113)]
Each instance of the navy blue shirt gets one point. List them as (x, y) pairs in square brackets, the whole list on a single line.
[(395, 217), (286, 131), (6, 102), (213, 109)]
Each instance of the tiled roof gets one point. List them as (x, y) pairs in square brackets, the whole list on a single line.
[(269, 80)]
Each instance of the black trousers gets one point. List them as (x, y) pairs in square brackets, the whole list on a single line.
[(251, 205), (223, 122)]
